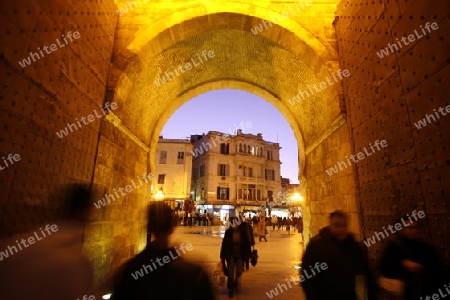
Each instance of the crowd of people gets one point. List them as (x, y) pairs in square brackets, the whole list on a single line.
[(194, 219), (55, 268)]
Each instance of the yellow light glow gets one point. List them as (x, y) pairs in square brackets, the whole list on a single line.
[(297, 197), (159, 195)]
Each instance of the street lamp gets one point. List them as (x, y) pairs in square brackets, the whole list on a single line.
[(159, 196), (296, 199)]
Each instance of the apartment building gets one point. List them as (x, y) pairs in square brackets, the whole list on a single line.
[(234, 171), (173, 170)]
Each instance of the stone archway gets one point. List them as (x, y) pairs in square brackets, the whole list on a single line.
[(273, 67), (382, 99)]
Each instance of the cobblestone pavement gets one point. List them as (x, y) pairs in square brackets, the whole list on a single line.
[(278, 258)]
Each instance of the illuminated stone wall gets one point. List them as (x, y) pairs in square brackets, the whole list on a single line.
[(385, 97)]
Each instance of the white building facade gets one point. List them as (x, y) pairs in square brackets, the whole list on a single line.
[(239, 171), (173, 169)]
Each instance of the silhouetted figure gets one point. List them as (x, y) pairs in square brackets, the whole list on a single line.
[(342, 259), (159, 272), (48, 263), (249, 230), (261, 228), (417, 263), (274, 221), (236, 246)]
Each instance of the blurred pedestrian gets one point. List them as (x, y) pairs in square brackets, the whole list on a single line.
[(236, 246), (335, 248), (51, 266), (288, 225), (410, 258), (249, 231), (274, 222), (142, 278), (262, 228)]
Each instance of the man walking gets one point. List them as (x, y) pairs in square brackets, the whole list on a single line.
[(236, 246), (274, 222), (345, 259)]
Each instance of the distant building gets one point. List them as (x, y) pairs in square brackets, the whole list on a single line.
[(285, 181), (173, 169), (234, 172)]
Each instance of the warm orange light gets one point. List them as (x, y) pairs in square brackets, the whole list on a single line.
[(297, 197), (159, 195)]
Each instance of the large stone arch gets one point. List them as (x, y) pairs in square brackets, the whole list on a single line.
[(273, 66)]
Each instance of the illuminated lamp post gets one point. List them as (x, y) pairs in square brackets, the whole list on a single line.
[(159, 196)]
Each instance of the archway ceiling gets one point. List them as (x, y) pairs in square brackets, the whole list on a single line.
[(276, 61)]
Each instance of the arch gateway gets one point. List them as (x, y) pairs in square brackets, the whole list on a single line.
[(288, 53)]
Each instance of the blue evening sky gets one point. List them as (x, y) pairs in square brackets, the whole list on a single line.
[(223, 110)]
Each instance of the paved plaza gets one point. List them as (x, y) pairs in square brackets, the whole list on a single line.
[(278, 258)]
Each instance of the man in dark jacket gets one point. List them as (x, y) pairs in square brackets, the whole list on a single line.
[(409, 257), (251, 238), (236, 246), (159, 272), (335, 248)]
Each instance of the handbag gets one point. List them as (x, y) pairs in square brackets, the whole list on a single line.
[(218, 275), (254, 257), (392, 286)]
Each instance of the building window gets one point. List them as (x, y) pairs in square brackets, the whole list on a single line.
[(163, 157), (258, 194), (202, 170), (269, 174), (224, 148), (240, 147), (223, 170), (270, 195), (161, 178), (250, 172), (247, 194), (223, 193), (269, 155), (180, 159)]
